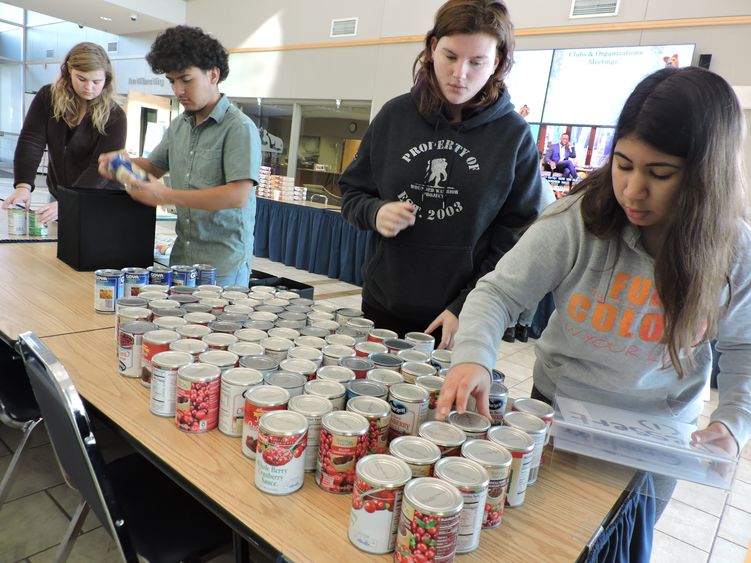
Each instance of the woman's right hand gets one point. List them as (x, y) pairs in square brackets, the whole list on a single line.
[(20, 196), (394, 217)]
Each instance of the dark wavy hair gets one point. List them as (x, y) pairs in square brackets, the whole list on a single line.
[(694, 114), (466, 17), (180, 47)]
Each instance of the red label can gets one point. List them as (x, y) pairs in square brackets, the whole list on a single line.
[(344, 437), (258, 401), (197, 407)]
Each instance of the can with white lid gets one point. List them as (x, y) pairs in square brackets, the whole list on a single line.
[(432, 384), (306, 368), (442, 357), (163, 392), (196, 332), (235, 381), (219, 340), (199, 318), (420, 454), (472, 480), (335, 373), (168, 322), (346, 313), (536, 428), (412, 355), (327, 325), (409, 407), (497, 462), (421, 341), (128, 315), (190, 345), (378, 413), (294, 383), (344, 437), (154, 342), (306, 353), (474, 424), (197, 408), (332, 390), (360, 366), (521, 447), (222, 359), (376, 502), (387, 361), (381, 334), (242, 348), (312, 407), (280, 458), (429, 521), (258, 401), (537, 408), (281, 332), (277, 347), (130, 347), (310, 341), (447, 437), (365, 348), (250, 335), (333, 353), (264, 364), (412, 370), (386, 376)]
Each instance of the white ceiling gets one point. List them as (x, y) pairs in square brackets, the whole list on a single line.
[(153, 15)]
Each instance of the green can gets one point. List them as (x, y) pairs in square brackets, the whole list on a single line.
[(36, 228)]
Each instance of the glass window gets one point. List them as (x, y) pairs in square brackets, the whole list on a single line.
[(11, 111), (11, 42), (274, 122), (11, 13), (35, 18)]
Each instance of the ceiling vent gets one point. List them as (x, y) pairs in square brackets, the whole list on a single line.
[(50, 53), (594, 8), (346, 27), (112, 46)]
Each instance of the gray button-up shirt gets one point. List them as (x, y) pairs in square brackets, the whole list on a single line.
[(224, 148)]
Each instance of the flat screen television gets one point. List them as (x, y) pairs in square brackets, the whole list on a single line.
[(528, 81), (590, 86)]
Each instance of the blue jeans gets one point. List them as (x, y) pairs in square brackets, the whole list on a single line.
[(239, 277)]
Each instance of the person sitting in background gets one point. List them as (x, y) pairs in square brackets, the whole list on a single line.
[(649, 260), (76, 118), (213, 153), (558, 157)]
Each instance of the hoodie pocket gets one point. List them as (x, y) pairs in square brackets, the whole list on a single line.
[(417, 280)]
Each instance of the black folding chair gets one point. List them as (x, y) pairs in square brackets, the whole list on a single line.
[(18, 407), (145, 512)]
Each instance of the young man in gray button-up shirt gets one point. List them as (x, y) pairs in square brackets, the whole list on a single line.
[(213, 153)]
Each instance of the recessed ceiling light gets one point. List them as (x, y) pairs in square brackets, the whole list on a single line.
[(105, 18)]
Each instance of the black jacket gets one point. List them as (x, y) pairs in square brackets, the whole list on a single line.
[(477, 184)]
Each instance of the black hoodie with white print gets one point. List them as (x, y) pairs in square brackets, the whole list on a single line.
[(476, 185)]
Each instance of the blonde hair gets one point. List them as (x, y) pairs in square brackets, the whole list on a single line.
[(66, 105)]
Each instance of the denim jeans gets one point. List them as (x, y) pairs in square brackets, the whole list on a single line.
[(239, 277)]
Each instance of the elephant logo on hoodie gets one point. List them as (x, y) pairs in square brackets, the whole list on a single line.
[(436, 171)]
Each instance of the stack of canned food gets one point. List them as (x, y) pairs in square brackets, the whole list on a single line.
[(309, 387)]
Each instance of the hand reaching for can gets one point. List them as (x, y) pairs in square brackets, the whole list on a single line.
[(394, 217), (20, 196), (462, 381)]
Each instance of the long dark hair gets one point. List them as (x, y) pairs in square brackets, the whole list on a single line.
[(466, 17), (694, 114)]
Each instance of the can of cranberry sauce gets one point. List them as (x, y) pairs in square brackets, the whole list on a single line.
[(258, 401), (154, 342), (432, 384), (333, 391), (474, 424), (472, 480), (420, 454), (165, 366), (537, 408), (429, 521), (197, 407), (128, 315), (447, 437), (376, 502), (130, 347), (497, 462), (535, 429), (231, 401), (521, 447), (222, 359), (314, 409), (378, 413), (344, 437), (280, 454)]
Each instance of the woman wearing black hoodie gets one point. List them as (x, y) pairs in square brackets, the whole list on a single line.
[(447, 175)]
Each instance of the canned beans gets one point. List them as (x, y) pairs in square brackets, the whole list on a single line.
[(344, 438), (197, 398)]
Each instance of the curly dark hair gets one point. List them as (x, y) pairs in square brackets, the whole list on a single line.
[(182, 46)]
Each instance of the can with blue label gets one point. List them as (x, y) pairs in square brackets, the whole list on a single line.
[(409, 407), (123, 169), (184, 275), (108, 288), (205, 274), (364, 387), (160, 275), (135, 279)]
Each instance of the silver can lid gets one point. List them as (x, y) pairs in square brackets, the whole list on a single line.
[(469, 421), (267, 395), (243, 348), (433, 496), (197, 371), (498, 389), (261, 363), (335, 373), (430, 382), (533, 406), (419, 337), (408, 392), (286, 333), (310, 341), (462, 473), (199, 318), (189, 345), (325, 388), (369, 407), (310, 405), (298, 365), (418, 369), (345, 423), (338, 350), (277, 344), (512, 439), (193, 331), (243, 377), (283, 423), (386, 376), (442, 433), (137, 327), (487, 453), (250, 334), (219, 358), (219, 339), (305, 353), (134, 312), (383, 471), (412, 355), (285, 379), (441, 355), (170, 323), (529, 423), (161, 336), (415, 450), (171, 359)]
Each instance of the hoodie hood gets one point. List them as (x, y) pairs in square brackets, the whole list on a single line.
[(470, 118)]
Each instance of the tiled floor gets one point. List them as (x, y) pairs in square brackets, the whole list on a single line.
[(700, 524)]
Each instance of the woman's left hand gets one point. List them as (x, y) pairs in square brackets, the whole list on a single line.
[(718, 435), (450, 324)]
